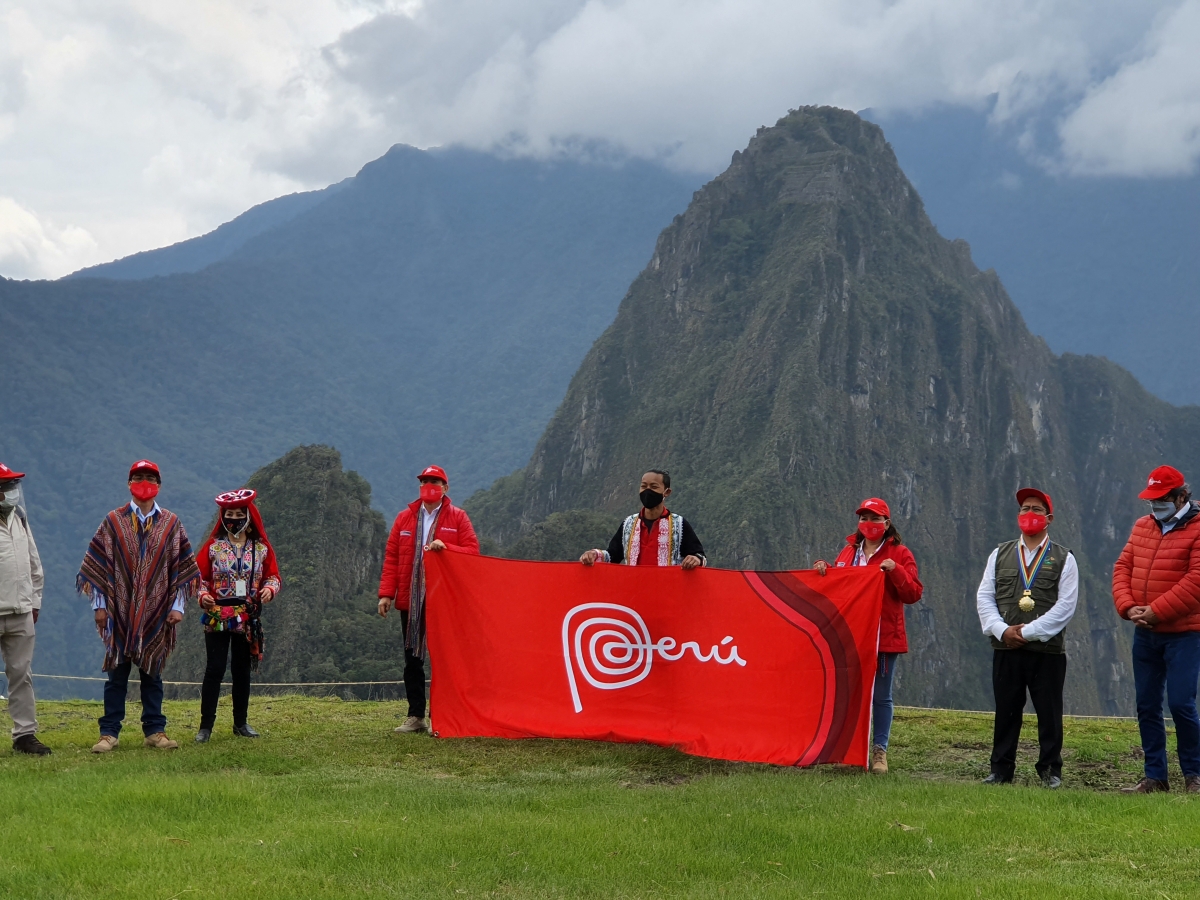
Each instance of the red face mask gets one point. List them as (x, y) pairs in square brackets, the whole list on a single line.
[(1032, 523), (430, 492), (143, 491), (873, 531)]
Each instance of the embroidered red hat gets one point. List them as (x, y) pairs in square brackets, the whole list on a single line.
[(7, 474), (236, 499), (874, 505), (433, 472), (144, 465), (1025, 493), (1161, 482)]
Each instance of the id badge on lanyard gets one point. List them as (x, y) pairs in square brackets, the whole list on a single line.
[(240, 586)]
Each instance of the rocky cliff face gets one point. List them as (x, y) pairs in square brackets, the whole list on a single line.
[(803, 338), (329, 542)]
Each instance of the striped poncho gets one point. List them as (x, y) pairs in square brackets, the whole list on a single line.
[(138, 571)]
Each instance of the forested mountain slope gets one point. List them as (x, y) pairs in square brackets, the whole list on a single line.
[(803, 338), (431, 308)]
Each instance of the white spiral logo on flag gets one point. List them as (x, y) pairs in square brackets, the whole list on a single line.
[(612, 649)]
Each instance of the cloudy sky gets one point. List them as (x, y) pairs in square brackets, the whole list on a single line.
[(131, 124)]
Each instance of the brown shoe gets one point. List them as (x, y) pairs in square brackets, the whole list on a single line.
[(160, 741), (106, 744), (1191, 784), (878, 761), (1147, 786)]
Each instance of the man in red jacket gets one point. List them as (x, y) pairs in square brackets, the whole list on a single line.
[(1028, 594), (430, 523), (1156, 586)]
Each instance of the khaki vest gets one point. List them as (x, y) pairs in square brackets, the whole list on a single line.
[(1044, 592)]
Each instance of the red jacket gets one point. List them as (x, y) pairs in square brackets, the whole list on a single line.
[(453, 529), (902, 586), (1162, 570)]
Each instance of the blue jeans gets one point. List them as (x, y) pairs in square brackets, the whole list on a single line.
[(881, 705), (115, 689), (1170, 661)]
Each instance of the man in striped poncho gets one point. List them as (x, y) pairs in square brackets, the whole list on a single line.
[(655, 536), (139, 573)]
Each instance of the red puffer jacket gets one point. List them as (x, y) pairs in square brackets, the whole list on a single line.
[(1162, 570), (902, 586), (453, 529)]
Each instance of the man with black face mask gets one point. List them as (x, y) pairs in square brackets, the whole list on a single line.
[(655, 536)]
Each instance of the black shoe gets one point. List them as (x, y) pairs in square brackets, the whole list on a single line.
[(244, 731), (203, 735), (28, 743), (996, 779), (1053, 782)]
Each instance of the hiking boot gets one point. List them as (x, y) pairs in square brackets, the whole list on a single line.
[(997, 779), (1052, 782), (203, 735), (878, 761), (244, 731), (1191, 784), (412, 725), (106, 743), (159, 741), (28, 743), (1147, 786)]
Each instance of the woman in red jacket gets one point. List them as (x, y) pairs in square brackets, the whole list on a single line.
[(432, 523), (876, 542)]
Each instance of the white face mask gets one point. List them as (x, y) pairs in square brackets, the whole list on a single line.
[(9, 498), (1162, 509)]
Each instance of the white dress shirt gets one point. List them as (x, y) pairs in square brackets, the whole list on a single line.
[(1043, 627), (1174, 520), (99, 601), (427, 519)]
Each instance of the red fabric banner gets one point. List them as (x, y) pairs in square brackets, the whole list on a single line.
[(772, 667)]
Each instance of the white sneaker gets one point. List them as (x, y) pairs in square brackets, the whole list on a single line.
[(412, 725)]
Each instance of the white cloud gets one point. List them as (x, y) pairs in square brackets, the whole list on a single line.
[(1144, 119), (148, 121), (31, 248)]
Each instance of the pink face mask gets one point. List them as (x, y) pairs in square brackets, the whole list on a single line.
[(873, 531), (1032, 523), (143, 491), (430, 492)]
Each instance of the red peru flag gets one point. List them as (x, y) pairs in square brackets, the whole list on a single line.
[(773, 667)]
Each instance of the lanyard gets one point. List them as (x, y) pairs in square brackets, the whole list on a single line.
[(1029, 573), (239, 555)]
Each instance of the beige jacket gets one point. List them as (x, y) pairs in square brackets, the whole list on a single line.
[(21, 578)]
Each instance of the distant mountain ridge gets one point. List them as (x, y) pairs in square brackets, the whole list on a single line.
[(430, 309), (201, 252), (804, 338)]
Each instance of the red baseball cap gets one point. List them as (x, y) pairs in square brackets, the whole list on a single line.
[(144, 465), (433, 472), (875, 505), (1161, 482), (1025, 493), (7, 474)]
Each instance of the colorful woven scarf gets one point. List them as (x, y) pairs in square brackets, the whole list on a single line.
[(414, 640), (139, 570), (669, 533)]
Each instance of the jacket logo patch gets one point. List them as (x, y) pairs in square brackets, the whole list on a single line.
[(841, 565), (447, 529), (409, 533)]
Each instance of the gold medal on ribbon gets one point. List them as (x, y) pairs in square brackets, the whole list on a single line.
[(1026, 601)]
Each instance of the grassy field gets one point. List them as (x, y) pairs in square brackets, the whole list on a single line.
[(330, 803)]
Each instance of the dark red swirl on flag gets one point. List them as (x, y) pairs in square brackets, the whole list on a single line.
[(818, 617)]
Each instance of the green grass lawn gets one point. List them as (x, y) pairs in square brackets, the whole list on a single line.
[(330, 803)]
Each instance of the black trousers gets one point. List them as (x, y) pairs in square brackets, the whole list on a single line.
[(414, 676), (1041, 674), (223, 647)]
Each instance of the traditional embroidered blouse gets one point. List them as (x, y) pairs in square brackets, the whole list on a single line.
[(229, 564)]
